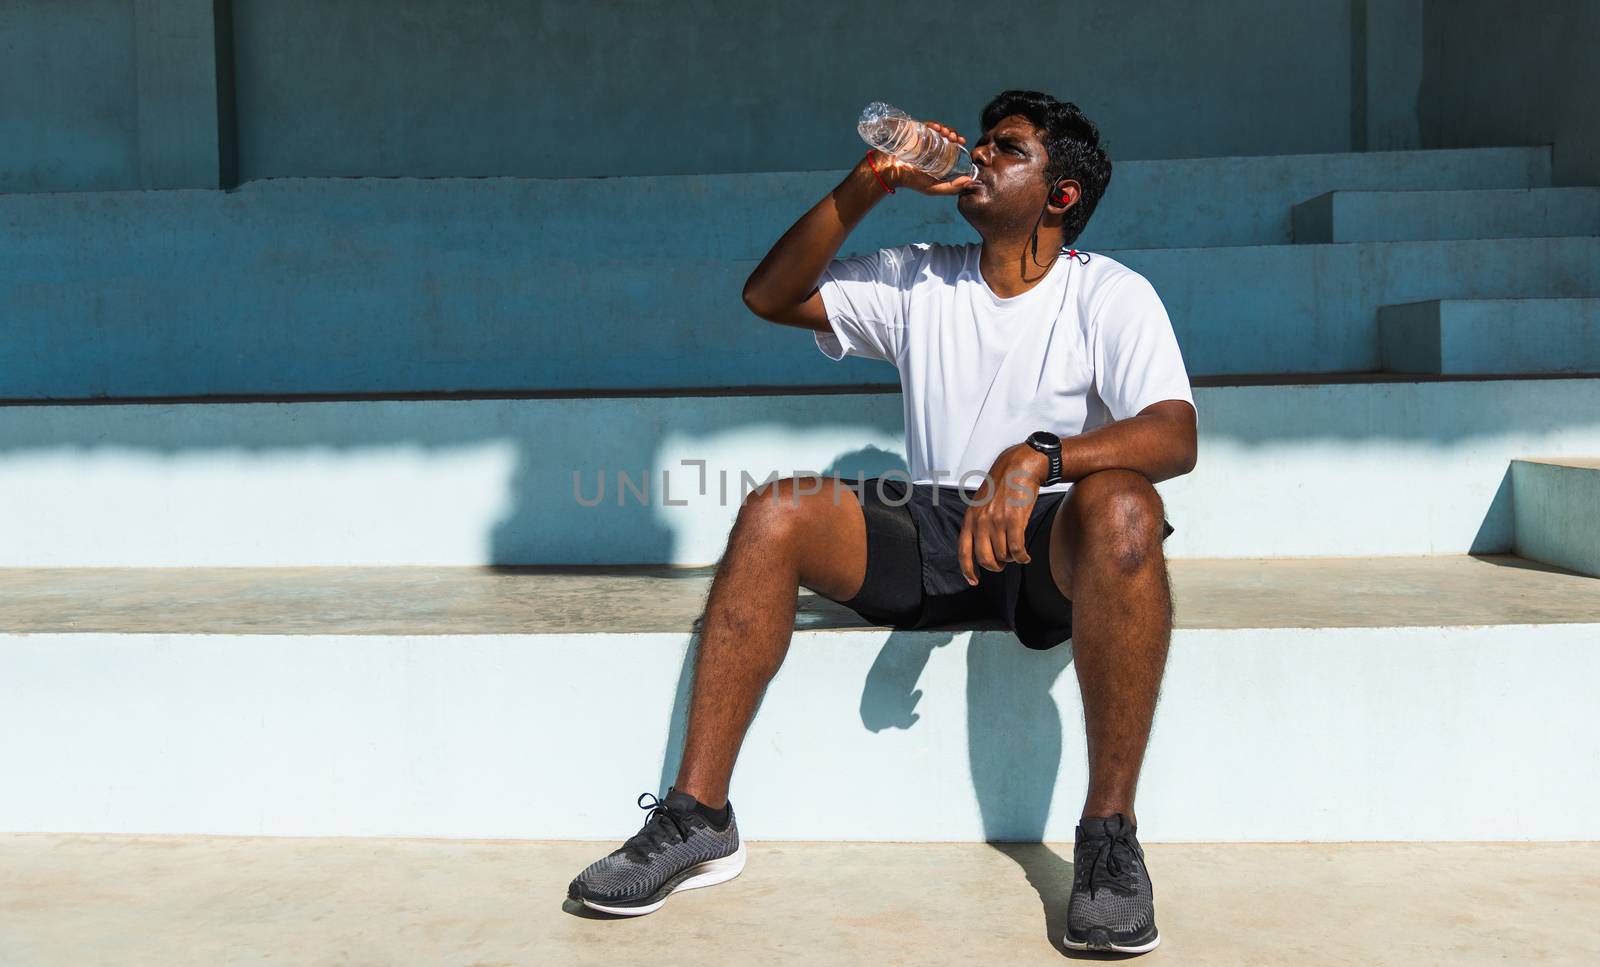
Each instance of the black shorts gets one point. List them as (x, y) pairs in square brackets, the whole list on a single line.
[(914, 577)]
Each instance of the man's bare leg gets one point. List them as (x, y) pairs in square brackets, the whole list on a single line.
[(1106, 556), (782, 540)]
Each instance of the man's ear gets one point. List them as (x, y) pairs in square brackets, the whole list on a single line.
[(1065, 194)]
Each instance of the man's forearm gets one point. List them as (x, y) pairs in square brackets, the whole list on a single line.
[(789, 273), (1159, 443)]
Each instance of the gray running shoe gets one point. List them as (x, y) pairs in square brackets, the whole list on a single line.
[(1113, 905), (678, 849)]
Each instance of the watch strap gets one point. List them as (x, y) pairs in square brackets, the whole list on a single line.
[(1053, 454)]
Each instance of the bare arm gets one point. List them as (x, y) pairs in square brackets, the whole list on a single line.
[(1159, 442), (783, 288)]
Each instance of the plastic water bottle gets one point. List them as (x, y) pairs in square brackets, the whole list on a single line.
[(895, 132)]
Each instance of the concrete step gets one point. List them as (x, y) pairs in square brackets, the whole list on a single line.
[(1556, 506), (1337, 468), (1315, 308), (1149, 204), (388, 901), (1491, 336), (454, 287), (1343, 699), (1395, 216), (443, 320), (1249, 201)]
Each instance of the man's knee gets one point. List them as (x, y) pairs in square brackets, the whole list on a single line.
[(803, 518), (1119, 518), (777, 505)]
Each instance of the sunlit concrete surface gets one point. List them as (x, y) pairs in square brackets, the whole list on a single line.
[(1265, 593), (76, 901)]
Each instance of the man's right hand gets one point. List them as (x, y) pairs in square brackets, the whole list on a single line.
[(898, 174)]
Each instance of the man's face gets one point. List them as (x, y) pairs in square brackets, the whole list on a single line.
[(1010, 186)]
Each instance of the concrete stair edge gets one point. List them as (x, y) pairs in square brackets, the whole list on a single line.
[(1346, 216), (1556, 511), (1480, 337)]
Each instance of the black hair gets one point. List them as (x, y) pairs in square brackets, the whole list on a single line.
[(1072, 142)]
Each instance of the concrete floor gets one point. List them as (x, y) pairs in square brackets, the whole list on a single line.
[(1276, 593), (83, 900)]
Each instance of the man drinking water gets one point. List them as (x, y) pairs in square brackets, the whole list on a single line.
[(1050, 375)]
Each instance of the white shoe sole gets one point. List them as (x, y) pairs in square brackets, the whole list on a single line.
[(1115, 948), (706, 874)]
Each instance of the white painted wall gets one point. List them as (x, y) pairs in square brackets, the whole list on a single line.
[(1475, 733), (1333, 470)]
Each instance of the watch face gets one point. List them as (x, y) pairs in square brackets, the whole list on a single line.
[(1045, 440)]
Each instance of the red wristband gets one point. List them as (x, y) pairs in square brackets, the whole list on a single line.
[(878, 176)]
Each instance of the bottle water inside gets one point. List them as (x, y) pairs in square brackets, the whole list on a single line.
[(894, 132)]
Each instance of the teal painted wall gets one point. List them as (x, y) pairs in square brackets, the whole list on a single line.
[(68, 106), (336, 285), (1500, 73), (117, 94), (109, 94), (498, 87)]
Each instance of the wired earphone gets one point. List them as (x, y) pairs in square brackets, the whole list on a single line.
[(1058, 196)]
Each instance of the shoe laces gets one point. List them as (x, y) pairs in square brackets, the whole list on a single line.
[(658, 827), (1113, 864)]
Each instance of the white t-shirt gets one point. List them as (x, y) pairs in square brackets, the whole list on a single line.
[(1089, 344)]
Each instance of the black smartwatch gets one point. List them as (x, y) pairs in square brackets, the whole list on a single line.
[(1048, 444)]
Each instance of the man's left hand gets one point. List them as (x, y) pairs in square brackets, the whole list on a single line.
[(995, 527)]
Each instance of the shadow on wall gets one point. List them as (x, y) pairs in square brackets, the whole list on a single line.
[(1495, 533), (1466, 455), (1015, 741)]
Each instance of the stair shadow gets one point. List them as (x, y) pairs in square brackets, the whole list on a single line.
[(1495, 533)]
